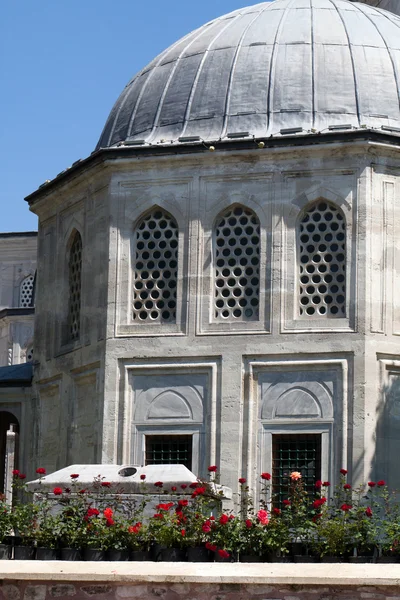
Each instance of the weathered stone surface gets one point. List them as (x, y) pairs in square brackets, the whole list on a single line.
[(10, 592), (96, 590), (59, 591), (35, 592)]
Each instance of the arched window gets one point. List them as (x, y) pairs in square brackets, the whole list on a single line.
[(322, 261), (155, 265), (75, 282), (26, 292), (237, 265)]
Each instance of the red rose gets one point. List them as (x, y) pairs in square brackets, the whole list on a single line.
[(143, 477), (224, 519), (371, 484), (41, 471), (165, 506), (57, 491), (173, 488), (242, 480), (158, 484), (106, 484), (22, 476), (15, 472), (108, 513), (368, 511), (183, 486), (380, 483), (158, 516), (223, 554), (193, 485), (67, 490), (346, 507), (93, 512), (82, 492), (276, 511), (347, 486), (183, 532), (266, 476), (326, 484), (74, 475), (206, 527), (286, 502), (213, 469), (183, 502), (110, 522), (249, 523), (316, 517), (211, 547), (318, 484), (343, 471)]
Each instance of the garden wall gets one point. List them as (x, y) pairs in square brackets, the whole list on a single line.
[(31, 580)]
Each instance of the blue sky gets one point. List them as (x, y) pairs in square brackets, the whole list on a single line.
[(63, 65)]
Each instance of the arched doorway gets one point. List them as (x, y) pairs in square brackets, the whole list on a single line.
[(6, 419)]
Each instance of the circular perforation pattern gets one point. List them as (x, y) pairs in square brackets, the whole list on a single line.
[(322, 254), (237, 266), (26, 291), (75, 276), (155, 268), (29, 354)]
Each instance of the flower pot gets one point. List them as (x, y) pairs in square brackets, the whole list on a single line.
[(93, 554), (305, 558), (5, 552), (172, 555), (24, 553), (361, 559), (118, 555), (140, 555), (281, 558), (230, 559), (70, 554), (46, 553), (333, 559), (251, 558), (388, 559), (198, 554)]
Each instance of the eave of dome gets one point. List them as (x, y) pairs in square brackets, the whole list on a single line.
[(344, 138), (303, 64)]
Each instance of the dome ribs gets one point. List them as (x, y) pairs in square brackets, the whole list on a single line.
[(306, 65)]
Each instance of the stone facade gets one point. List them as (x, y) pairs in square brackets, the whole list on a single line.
[(231, 385)]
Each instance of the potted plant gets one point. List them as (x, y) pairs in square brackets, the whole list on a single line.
[(5, 529)]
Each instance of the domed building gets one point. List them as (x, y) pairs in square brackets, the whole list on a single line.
[(218, 281)]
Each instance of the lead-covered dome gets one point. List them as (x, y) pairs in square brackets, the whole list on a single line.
[(285, 64)]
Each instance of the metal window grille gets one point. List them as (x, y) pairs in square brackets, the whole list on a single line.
[(155, 267), (169, 450), (75, 276), (237, 266), (294, 453), (322, 261), (26, 291)]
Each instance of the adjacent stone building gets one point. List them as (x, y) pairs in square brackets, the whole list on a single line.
[(218, 282)]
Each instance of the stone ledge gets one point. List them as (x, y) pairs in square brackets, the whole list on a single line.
[(135, 573)]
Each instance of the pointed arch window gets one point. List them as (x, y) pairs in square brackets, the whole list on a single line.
[(237, 265), (155, 265), (75, 285), (322, 261), (26, 292)]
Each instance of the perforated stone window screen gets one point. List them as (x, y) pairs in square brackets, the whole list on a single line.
[(75, 280), (155, 268), (237, 266), (26, 291), (322, 262)]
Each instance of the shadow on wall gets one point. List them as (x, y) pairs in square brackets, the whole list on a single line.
[(387, 436)]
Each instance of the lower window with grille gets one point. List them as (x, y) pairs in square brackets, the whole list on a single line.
[(169, 450), (294, 452)]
